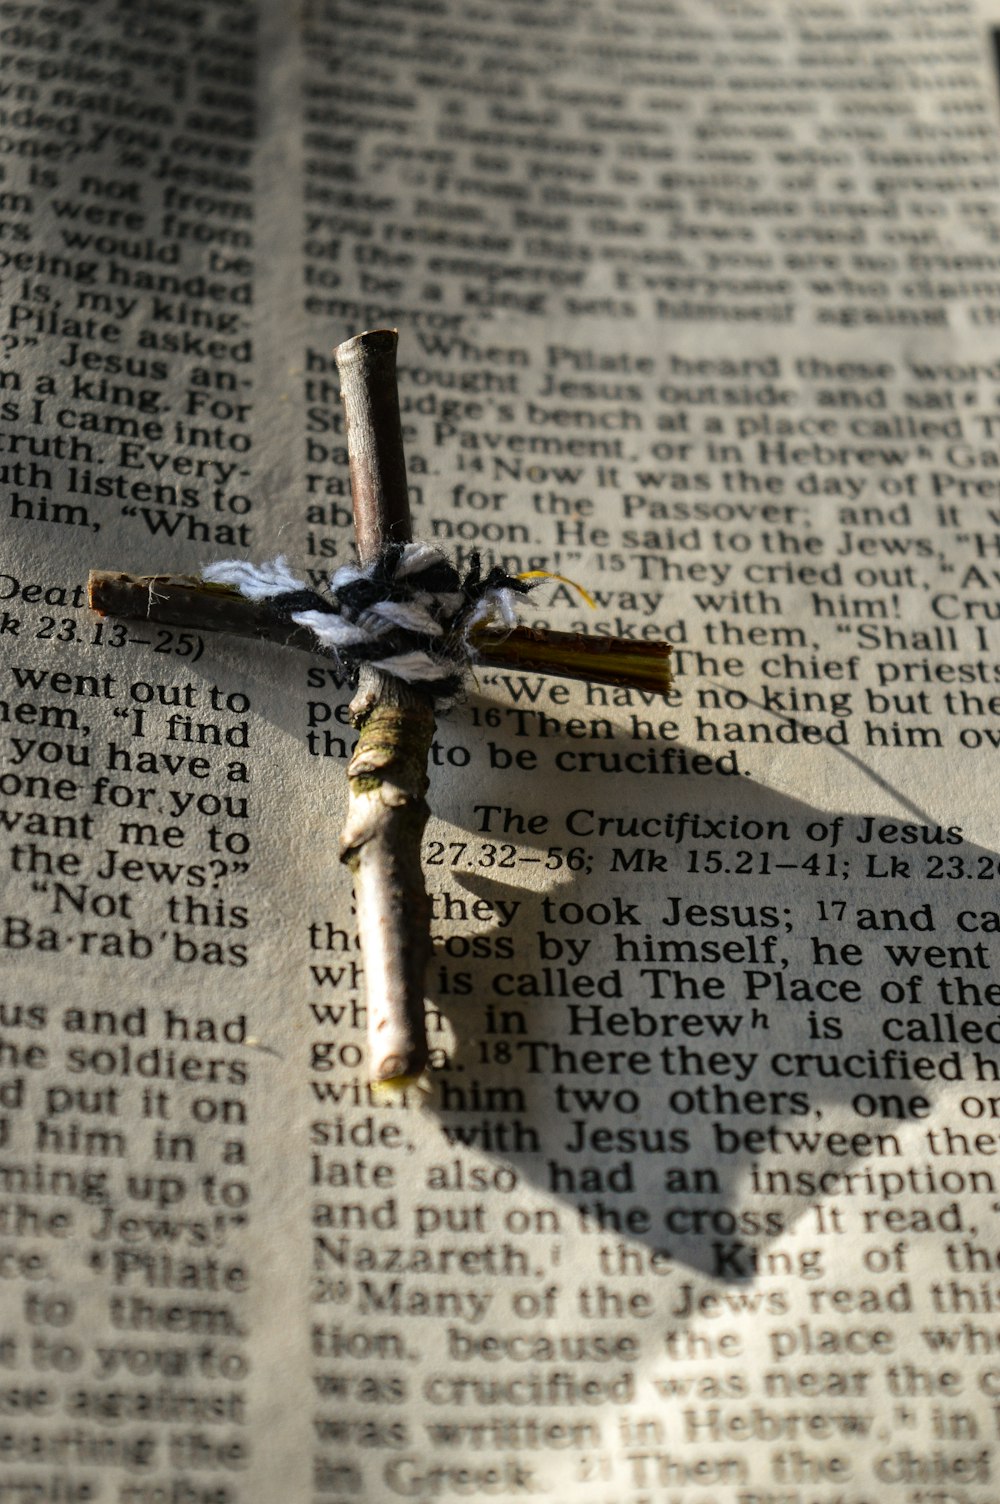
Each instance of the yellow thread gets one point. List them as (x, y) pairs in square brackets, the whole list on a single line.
[(550, 574), (392, 1084)]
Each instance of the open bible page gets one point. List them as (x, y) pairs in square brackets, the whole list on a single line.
[(697, 307)]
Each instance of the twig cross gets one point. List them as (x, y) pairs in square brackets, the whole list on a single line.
[(387, 774)]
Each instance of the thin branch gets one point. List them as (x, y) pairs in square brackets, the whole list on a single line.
[(578, 655), (387, 775), (367, 366), (184, 601)]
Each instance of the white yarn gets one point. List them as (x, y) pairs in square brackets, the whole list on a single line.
[(256, 581), (353, 623), (413, 667), (332, 631), (415, 618), (418, 556)]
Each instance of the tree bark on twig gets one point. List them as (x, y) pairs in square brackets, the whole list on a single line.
[(193, 604), (387, 776)]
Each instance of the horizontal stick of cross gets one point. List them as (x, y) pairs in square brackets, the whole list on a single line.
[(387, 774)]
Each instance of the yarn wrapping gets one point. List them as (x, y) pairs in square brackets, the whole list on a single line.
[(410, 613)]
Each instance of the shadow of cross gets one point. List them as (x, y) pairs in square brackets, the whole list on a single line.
[(697, 1048)]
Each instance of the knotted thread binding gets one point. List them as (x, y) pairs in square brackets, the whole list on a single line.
[(409, 614)]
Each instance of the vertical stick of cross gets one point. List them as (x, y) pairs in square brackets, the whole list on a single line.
[(387, 775)]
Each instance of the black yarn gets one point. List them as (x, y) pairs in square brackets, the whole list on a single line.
[(382, 583)]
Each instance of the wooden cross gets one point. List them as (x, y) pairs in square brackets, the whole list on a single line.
[(387, 774)]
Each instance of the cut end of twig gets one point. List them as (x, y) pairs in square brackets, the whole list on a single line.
[(371, 342), (396, 1073), (105, 587)]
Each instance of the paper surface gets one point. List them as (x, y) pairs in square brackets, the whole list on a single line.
[(696, 306)]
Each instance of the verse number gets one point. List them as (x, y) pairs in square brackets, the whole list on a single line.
[(180, 644), (504, 855), (495, 1052), (573, 857), (440, 854), (982, 868), (109, 634), (436, 853), (58, 628), (743, 863), (592, 1466)]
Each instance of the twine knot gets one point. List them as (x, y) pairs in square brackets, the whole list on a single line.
[(410, 614)]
